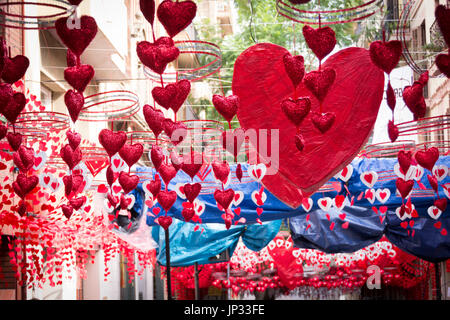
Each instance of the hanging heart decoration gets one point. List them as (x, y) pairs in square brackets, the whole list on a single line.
[(176, 16)]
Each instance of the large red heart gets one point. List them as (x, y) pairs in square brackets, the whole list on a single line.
[(77, 39), (176, 16), (79, 76), (354, 97)]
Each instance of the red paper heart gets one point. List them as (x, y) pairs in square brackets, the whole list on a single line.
[(71, 157), (295, 68), (6, 93), (157, 156), (158, 55), (438, 225), (77, 39), (74, 139), (173, 95), (443, 63), (167, 172), (14, 107), (154, 119), (166, 199), (128, 182), (386, 55), (192, 163), (176, 131), (321, 41), (148, 9), (24, 158), (95, 166), (224, 198), (404, 224), (441, 204), (221, 170), (112, 141), (296, 110), (232, 140), (442, 15), (404, 187), (192, 191), (79, 76), (14, 140), (188, 214), (176, 16), (74, 102), (131, 153), (14, 68), (165, 222), (227, 107), (355, 101), (427, 158), (319, 82)]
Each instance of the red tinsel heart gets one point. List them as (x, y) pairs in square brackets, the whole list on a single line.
[(6, 94), (154, 119), (386, 55), (14, 107), (158, 55), (131, 153), (14, 140), (355, 99), (124, 202), (412, 95), (321, 41), (77, 203), (176, 16), (441, 204), (221, 170), (188, 214), (192, 191), (14, 68), (165, 222), (112, 141), (173, 95), (232, 140), (79, 76), (392, 131), (192, 163), (227, 107), (111, 176), (77, 39), (3, 131), (157, 156), (166, 199), (390, 96), (424, 77), (74, 139), (404, 160), (224, 198), (112, 200), (176, 131), (404, 187), (295, 68), (433, 182), (24, 158), (74, 101), (128, 182), (323, 122), (319, 82), (67, 211), (239, 172), (427, 158), (442, 15), (296, 110), (72, 59), (299, 142), (167, 172), (154, 186), (71, 157), (443, 63), (68, 183), (77, 183), (420, 109), (148, 9), (24, 184), (176, 160)]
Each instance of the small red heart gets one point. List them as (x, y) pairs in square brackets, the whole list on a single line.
[(237, 211), (102, 189), (383, 209), (444, 232), (332, 226), (345, 225), (438, 225), (259, 211), (411, 223), (404, 224), (342, 216)]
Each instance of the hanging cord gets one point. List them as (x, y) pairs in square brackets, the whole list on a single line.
[(251, 21)]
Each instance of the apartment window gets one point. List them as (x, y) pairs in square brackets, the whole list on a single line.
[(423, 34)]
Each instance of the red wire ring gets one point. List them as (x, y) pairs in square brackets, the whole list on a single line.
[(105, 98), (42, 121), (328, 17), (424, 126), (40, 23), (210, 49), (386, 149)]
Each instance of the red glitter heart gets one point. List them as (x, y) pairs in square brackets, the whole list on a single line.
[(239, 172), (404, 187), (157, 156), (6, 93), (112, 141), (227, 107), (323, 122), (176, 160), (158, 55), (441, 204), (128, 182), (442, 15), (295, 68), (24, 158), (24, 184), (221, 170), (224, 198), (173, 95), (111, 176), (299, 142), (79, 76), (71, 157), (192, 191), (154, 186), (77, 203), (131, 153), (188, 214), (166, 199), (321, 41), (14, 107), (192, 163), (167, 172), (67, 211), (77, 39), (74, 139), (296, 110), (165, 222), (14, 140), (427, 158), (14, 68), (319, 82), (148, 9), (74, 101), (404, 160), (154, 119), (176, 16), (412, 95), (176, 131), (3, 131), (443, 63), (386, 55), (392, 131)]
